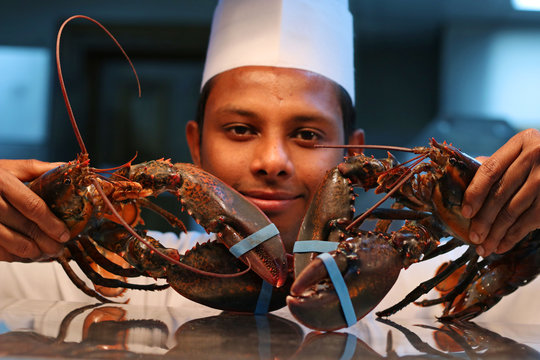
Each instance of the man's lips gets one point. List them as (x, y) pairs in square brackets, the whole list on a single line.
[(271, 201)]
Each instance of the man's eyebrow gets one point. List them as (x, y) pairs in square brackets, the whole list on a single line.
[(302, 118), (313, 118), (237, 111)]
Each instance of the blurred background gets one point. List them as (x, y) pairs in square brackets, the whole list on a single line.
[(458, 70)]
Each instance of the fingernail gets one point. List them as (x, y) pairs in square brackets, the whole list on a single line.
[(480, 250), (475, 239), (64, 237), (466, 211)]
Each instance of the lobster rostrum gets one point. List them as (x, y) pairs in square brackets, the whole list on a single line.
[(427, 192), (102, 211)]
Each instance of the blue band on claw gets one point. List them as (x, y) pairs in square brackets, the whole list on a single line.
[(263, 301), (350, 348), (263, 332), (253, 240), (341, 288), (318, 246)]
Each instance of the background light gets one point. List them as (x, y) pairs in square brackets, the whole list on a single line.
[(526, 5)]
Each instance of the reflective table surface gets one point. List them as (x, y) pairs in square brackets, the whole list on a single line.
[(34, 329)]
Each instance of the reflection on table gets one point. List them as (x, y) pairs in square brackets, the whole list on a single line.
[(31, 329)]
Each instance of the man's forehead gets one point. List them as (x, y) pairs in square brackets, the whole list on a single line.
[(267, 76)]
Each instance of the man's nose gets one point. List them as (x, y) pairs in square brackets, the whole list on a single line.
[(272, 159)]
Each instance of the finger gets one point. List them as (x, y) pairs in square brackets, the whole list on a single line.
[(513, 210), (501, 208), (526, 223), (28, 169), (481, 159), (7, 256), (489, 172), (33, 207), (15, 221), (18, 245)]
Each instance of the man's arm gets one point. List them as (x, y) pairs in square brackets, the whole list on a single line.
[(28, 229), (503, 199)]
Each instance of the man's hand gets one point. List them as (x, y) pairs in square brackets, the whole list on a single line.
[(503, 199), (28, 229)]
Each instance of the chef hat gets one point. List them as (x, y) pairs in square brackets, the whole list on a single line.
[(313, 35)]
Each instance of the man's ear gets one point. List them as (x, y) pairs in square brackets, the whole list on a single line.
[(356, 138), (194, 141)]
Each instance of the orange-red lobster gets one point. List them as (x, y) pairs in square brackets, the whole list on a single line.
[(370, 261), (101, 212)]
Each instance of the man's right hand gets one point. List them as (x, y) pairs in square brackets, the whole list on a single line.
[(29, 231)]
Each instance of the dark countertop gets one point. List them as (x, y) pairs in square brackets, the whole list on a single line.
[(46, 329)]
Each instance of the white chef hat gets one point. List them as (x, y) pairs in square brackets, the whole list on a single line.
[(313, 35)]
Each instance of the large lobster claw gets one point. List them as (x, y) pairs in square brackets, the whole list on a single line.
[(370, 266), (219, 209)]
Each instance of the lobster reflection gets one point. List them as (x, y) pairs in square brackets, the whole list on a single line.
[(108, 333), (105, 334)]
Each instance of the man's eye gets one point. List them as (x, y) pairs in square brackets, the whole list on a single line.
[(239, 130), (307, 135)]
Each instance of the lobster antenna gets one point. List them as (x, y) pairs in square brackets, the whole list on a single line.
[(120, 166), (61, 78), (153, 248), (382, 147), (401, 181)]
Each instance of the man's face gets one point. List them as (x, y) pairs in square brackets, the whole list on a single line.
[(260, 124)]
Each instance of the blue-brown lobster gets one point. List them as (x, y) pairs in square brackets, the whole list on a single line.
[(102, 211), (369, 261)]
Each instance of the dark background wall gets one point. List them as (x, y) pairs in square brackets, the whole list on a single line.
[(414, 60)]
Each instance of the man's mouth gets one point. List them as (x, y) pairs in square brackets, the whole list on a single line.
[(271, 201)]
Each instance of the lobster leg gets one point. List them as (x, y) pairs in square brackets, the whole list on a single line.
[(97, 279), (504, 275), (78, 282), (426, 286), (105, 263), (465, 278)]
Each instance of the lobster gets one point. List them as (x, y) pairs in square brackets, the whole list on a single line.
[(428, 195), (102, 211)]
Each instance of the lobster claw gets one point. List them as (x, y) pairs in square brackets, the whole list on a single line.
[(313, 299), (222, 210), (219, 209)]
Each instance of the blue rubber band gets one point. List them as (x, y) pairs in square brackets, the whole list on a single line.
[(350, 348), (318, 246), (341, 288), (253, 240), (263, 332), (263, 301)]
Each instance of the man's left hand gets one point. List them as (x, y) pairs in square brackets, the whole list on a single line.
[(503, 199)]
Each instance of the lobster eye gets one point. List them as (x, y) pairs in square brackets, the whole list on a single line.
[(457, 163), (67, 181)]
